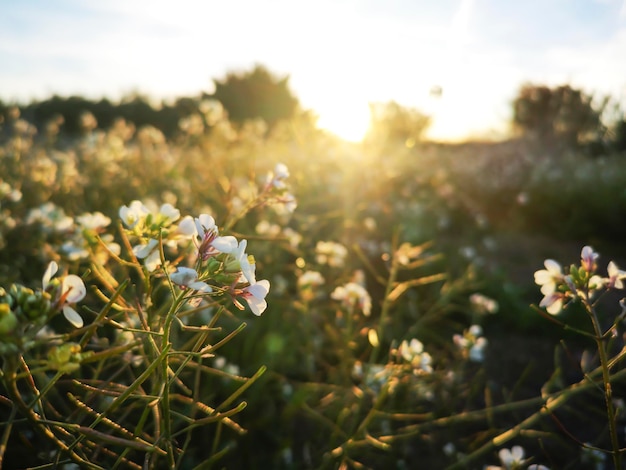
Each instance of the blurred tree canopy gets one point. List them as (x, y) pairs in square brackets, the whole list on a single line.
[(562, 115), (134, 108), (394, 124), (256, 94)]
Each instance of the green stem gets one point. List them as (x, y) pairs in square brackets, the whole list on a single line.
[(387, 302), (165, 383), (606, 379)]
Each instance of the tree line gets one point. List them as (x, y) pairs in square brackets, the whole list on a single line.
[(557, 117)]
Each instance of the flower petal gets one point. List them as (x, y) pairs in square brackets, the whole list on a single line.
[(51, 270), (200, 286), (74, 287), (257, 305), (184, 276), (260, 289), (225, 244), (187, 226), (72, 316)]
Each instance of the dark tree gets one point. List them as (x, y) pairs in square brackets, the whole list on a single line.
[(256, 94), (561, 115)]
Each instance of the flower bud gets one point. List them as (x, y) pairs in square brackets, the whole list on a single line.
[(8, 320)]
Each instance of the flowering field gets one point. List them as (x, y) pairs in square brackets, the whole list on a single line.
[(242, 298)]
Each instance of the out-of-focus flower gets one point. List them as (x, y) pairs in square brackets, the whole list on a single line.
[(72, 290), (483, 304), (93, 220), (192, 124), (616, 276), (266, 228), (307, 284), (51, 218), (293, 237), (522, 198), (310, 278), (149, 252), (188, 278), (87, 121), (213, 111), (167, 215), (549, 278), (278, 177), (413, 352), (330, 253), (511, 459), (472, 343), (353, 294), (133, 213)]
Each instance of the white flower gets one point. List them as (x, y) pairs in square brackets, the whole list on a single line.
[(553, 302), (483, 304), (188, 278), (242, 262), (72, 290), (133, 213), (255, 295), (150, 254), (477, 351), (514, 456), (93, 221), (410, 349), (588, 259), (413, 353), (205, 229), (310, 278), (281, 172), (615, 276), (168, 214), (330, 253), (353, 294), (549, 278)]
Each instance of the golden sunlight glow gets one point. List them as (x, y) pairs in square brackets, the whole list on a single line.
[(347, 120)]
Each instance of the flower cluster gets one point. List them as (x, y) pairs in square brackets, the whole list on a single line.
[(308, 282), (559, 287), (149, 226), (84, 239), (413, 353), (482, 304), (222, 266), (513, 459), (275, 185), (331, 253), (24, 311), (472, 343), (353, 295)]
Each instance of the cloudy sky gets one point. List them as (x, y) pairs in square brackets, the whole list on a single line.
[(339, 54)]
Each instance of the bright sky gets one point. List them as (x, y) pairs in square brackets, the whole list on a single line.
[(339, 54)]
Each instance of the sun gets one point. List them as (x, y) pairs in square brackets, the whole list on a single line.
[(348, 120)]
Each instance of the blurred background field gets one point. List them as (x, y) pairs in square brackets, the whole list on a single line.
[(442, 234)]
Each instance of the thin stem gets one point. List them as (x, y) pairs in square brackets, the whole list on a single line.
[(387, 302), (606, 378)]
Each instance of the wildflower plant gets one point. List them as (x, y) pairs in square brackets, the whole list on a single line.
[(582, 284), (134, 368)]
